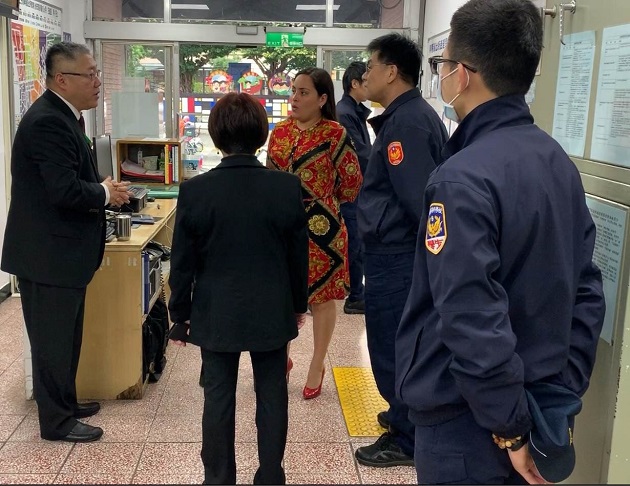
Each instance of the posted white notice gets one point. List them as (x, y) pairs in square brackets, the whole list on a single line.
[(573, 92), (610, 222), (611, 129)]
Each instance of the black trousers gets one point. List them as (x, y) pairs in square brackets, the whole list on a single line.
[(54, 322), (220, 372)]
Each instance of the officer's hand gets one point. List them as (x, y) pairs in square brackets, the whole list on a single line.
[(524, 464)]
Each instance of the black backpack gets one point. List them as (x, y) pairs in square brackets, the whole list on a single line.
[(154, 341)]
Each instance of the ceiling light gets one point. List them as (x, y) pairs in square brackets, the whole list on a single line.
[(314, 7), (189, 6)]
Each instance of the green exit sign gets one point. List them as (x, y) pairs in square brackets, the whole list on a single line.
[(284, 39)]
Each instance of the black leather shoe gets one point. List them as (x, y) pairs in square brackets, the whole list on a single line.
[(382, 420), (354, 307), (88, 409), (383, 453), (83, 433)]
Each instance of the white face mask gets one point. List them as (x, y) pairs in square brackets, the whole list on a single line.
[(449, 110)]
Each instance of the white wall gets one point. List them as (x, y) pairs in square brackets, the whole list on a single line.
[(438, 15)]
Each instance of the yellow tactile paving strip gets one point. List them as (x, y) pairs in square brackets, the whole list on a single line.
[(360, 401)]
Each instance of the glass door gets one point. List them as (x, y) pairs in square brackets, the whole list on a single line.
[(137, 90)]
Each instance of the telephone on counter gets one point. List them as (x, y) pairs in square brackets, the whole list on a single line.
[(159, 249)]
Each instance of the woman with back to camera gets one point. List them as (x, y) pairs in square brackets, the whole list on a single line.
[(312, 145), (239, 273)]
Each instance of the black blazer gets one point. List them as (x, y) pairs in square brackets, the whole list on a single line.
[(240, 237), (55, 231)]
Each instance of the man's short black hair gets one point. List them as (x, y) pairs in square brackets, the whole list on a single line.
[(355, 70), (502, 39), (402, 52), (63, 50)]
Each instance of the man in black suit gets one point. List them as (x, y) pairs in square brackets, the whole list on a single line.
[(239, 275), (55, 234)]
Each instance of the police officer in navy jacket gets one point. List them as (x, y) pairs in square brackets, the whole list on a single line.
[(504, 293), (352, 114), (409, 139)]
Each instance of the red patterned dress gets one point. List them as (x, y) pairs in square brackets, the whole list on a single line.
[(323, 158)]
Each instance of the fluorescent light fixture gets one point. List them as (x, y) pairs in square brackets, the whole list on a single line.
[(314, 7), (188, 6)]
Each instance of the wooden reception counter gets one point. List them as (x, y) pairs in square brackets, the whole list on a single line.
[(111, 356)]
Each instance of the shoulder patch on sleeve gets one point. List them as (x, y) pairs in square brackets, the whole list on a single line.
[(436, 228), (395, 153)]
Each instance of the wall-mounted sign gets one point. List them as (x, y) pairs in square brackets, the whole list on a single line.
[(610, 221), (284, 39)]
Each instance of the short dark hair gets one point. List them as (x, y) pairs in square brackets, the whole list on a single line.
[(402, 52), (63, 50), (502, 39), (323, 85), (238, 124), (355, 70)]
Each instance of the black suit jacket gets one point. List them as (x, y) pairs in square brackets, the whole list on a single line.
[(239, 261), (55, 227)]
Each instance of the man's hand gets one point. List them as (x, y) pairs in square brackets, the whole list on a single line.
[(301, 319), (524, 464), (118, 192)]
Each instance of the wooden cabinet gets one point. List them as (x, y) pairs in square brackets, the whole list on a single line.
[(111, 356), (161, 162)]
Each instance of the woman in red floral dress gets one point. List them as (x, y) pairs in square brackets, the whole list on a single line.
[(312, 145)]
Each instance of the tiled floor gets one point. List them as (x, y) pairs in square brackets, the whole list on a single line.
[(158, 439)]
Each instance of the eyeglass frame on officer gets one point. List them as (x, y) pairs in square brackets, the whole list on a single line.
[(434, 61), (91, 76)]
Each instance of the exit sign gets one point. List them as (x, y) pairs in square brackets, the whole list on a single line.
[(284, 39)]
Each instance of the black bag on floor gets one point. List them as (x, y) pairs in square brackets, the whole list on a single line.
[(154, 341)]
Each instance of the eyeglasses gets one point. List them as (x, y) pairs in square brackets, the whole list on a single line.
[(435, 62), (90, 76), (369, 65)]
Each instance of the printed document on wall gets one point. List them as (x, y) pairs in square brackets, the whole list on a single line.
[(610, 223), (573, 92), (611, 128)]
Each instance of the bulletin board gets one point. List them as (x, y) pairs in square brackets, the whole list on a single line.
[(582, 98), (38, 26)]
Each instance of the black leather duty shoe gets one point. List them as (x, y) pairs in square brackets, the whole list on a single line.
[(382, 420), (88, 409), (82, 433), (383, 453), (354, 307)]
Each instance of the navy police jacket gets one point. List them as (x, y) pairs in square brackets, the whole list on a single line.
[(353, 116), (504, 289), (409, 139)]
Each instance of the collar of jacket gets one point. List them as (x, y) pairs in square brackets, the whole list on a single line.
[(59, 104), (378, 121), (239, 160), (502, 112), (362, 111)]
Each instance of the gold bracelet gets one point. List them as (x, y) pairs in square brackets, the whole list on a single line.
[(513, 444)]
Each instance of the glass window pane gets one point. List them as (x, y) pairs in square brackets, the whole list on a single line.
[(207, 72), (143, 9), (133, 90), (385, 14), (307, 12), (107, 10)]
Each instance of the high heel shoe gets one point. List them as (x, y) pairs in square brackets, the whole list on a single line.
[(289, 368), (310, 393)]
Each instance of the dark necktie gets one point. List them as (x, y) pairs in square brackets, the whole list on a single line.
[(82, 123)]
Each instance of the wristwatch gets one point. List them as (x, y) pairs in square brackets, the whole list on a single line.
[(512, 444)]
